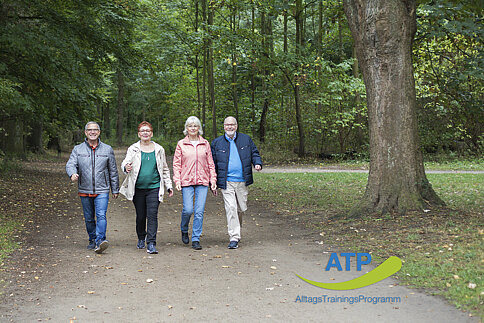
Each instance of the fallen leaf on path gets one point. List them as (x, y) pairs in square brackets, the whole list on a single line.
[(273, 267), (91, 292), (149, 280)]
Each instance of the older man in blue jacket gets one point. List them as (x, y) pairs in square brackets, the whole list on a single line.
[(234, 154), (93, 167)]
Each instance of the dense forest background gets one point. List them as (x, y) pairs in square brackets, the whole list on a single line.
[(285, 69)]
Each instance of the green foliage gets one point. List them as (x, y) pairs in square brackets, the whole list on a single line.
[(59, 60), (449, 77)]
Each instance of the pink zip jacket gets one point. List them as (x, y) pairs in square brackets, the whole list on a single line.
[(193, 165)]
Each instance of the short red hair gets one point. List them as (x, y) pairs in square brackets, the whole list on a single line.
[(145, 123)]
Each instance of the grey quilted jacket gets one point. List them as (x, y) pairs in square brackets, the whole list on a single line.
[(96, 168)]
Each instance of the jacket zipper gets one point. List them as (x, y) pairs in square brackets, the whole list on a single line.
[(196, 164), (93, 163)]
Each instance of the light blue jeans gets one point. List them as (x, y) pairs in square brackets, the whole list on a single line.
[(95, 206), (200, 193)]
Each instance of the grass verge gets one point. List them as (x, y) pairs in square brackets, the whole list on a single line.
[(442, 249), (8, 229)]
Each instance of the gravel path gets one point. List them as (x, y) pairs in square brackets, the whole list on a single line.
[(54, 278)]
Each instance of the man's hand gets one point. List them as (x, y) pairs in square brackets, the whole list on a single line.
[(170, 192), (258, 167), (178, 186), (74, 177), (115, 196)]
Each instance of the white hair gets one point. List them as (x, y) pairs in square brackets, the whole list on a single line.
[(92, 122), (193, 120)]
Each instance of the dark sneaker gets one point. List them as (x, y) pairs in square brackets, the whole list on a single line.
[(151, 248), (233, 245), (141, 244), (196, 245), (102, 246), (91, 245), (185, 239)]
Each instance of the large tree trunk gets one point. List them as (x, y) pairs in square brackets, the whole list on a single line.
[(383, 32), (12, 136), (34, 140)]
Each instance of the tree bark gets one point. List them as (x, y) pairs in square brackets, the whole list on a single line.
[(12, 136), (383, 32), (107, 120), (265, 33), (204, 68), (211, 80), (35, 142), (120, 108), (297, 99), (234, 63)]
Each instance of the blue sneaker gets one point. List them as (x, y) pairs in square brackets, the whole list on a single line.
[(91, 245), (233, 245), (151, 248), (141, 244), (102, 246)]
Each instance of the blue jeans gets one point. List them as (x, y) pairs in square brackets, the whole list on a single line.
[(200, 193), (146, 204), (95, 206)]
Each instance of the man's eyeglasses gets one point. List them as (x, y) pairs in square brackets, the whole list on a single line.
[(92, 130), (230, 124)]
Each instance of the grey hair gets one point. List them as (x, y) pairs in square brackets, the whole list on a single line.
[(193, 120), (92, 122), (230, 117)]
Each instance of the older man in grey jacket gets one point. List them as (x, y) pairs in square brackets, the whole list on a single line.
[(93, 166)]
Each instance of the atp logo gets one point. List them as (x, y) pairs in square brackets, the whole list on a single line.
[(385, 270)]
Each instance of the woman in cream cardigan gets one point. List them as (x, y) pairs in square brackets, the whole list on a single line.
[(148, 174)]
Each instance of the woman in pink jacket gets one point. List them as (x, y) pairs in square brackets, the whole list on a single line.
[(193, 173)]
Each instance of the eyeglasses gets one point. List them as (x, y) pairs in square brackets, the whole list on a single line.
[(145, 131), (230, 124), (92, 130)]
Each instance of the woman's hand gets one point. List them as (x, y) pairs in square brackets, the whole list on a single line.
[(170, 192), (128, 167), (214, 189)]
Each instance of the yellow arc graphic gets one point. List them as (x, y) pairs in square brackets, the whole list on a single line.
[(386, 269)]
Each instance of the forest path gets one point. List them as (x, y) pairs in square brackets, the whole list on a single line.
[(53, 277)]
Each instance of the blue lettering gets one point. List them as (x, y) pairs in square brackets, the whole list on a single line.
[(333, 262), (359, 262), (348, 256)]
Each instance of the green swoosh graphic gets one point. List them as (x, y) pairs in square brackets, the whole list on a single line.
[(386, 269)]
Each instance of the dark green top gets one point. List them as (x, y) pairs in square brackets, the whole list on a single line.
[(148, 176)]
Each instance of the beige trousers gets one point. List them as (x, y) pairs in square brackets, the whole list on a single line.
[(236, 192)]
